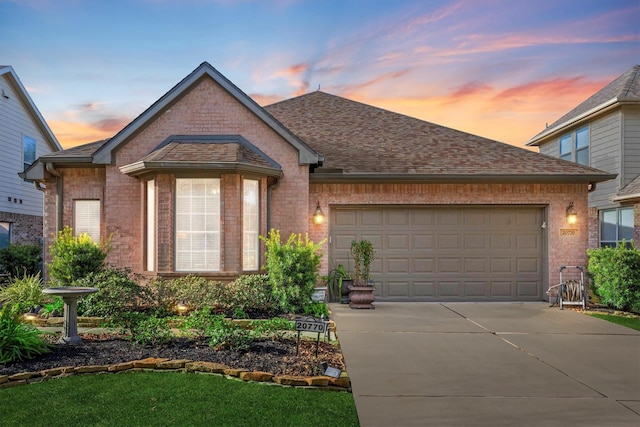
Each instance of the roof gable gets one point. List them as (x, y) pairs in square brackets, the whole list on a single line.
[(362, 142), (624, 89), (27, 102), (104, 154)]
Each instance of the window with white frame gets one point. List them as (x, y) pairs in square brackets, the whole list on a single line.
[(616, 225), (86, 218), (28, 151), (575, 146), (250, 224), (5, 234), (197, 244), (151, 225)]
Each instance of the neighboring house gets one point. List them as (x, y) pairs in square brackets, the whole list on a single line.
[(604, 132), (191, 184), (24, 136)]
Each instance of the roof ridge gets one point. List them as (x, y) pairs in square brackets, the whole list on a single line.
[(630, 82)]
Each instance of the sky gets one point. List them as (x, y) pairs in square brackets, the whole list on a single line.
[(501, 69)]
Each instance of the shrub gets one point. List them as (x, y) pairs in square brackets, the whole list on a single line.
[(292, 268), (55, 307), (151, 330), (74, 257), (18, 340), (616, 276), (24, 293), (249, 294), (316, 309), (194, 291), (118, 292), (19, 260), (228, 335)]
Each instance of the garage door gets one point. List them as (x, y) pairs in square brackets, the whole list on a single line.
[(446, 253)]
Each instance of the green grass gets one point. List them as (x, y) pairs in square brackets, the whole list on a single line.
[(170, 399), (628, 321)]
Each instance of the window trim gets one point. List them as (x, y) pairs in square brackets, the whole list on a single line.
[(150, 225), (253, 235), (612, 243), (216, 252), (25, 163), (572, 155), (88, 216)]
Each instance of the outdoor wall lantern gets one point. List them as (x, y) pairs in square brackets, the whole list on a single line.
[(572, 215), (318, 216)]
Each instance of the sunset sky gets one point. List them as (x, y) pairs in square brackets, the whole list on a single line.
[(496, 68)]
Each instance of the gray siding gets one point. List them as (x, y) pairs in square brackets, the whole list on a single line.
[(605, 147), (551, 149), (631, 143), (16, 121)]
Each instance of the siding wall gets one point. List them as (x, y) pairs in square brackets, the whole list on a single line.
[(606, 155), (631, 143), (20, 202)]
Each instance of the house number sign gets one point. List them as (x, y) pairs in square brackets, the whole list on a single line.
[(311, 324)]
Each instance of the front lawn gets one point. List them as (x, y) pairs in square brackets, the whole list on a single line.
[(170, 399), (632, 322)]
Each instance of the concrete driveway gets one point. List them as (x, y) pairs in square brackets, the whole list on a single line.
[(488, 364)]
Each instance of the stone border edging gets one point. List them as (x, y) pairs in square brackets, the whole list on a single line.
[(181, 365)]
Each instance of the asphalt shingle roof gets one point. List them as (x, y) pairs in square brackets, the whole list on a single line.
[(625, 87), (631, 190), (361, 139)]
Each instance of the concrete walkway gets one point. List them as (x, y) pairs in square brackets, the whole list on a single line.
[(488, 364)]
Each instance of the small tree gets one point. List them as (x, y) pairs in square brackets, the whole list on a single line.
[(292, 268), (616, 275), (74, 257), (363, 254)]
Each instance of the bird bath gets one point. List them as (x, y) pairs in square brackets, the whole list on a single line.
[(70, 295)]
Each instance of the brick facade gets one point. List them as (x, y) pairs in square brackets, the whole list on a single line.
[(25, 229), (561, 250)]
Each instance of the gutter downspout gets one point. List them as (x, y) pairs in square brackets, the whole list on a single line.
[(270, 188), (59, 208)]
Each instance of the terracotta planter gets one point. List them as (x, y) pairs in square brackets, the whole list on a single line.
[(361, 296)]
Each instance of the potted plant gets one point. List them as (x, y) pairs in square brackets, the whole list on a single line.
[(339, 281), (361, 295)]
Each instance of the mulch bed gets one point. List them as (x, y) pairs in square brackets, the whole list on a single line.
[(275, 356)]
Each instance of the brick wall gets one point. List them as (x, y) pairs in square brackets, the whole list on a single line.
[(561, 250), (25, 229)]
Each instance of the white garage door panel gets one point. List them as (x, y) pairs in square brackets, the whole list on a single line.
[(446, 253)]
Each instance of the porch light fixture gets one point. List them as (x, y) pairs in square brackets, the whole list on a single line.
[(572, 215), (318, 216)]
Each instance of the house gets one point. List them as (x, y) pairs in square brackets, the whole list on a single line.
[(24, 135), (604, 132), (190, 184)]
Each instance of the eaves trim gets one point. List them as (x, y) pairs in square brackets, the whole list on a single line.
[(457, 178)]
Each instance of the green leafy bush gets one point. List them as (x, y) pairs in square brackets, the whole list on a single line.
[(615, 273), (227, 335), (74, 257), (18, 340), (20, 260), (24, 293), (316, 308), (55, 307), (194, 291), (274, 328), (151, 330), (292, 268), (118, 292)]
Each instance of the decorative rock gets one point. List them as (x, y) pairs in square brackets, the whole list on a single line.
[(149, 362), (53, 372), (4, 379), (91, 369), (290, 380), (173, 364), (68, 370), (24, 376), (234, 372), (210, 367), (343, 381), (318, 381), (120, 367), (256, 376)]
